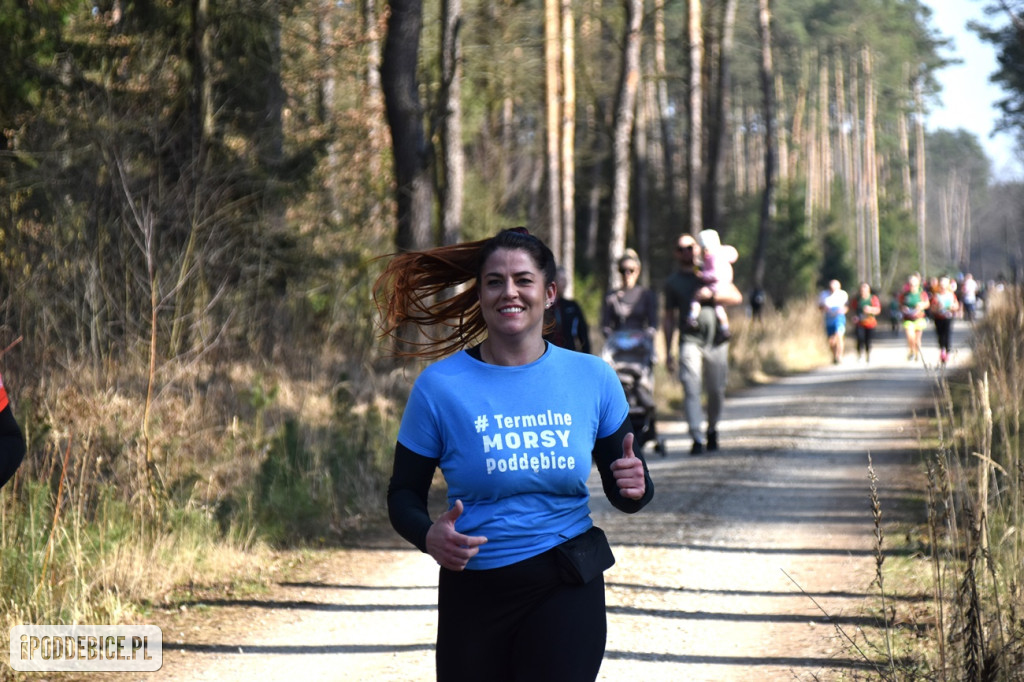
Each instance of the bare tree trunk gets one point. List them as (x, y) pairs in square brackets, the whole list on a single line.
[(568, 143), (874, 272), (203, 131), (272, 157), (947, 214), (552, 82), (903, 132), (963, 257), (595, 183), (812, 170), (326, 95), (695, 141), (860, 173), (739, 147), (451, 124), (323, 46), (204, 70), (766, 225), (374, 103), (507, 135), (665, 117), (754, 152), (785, 174), (414, 193), (824, 137), (655, 146), (272, 150), (904, 136), (373, 48), (955, 217), (536, 190), (593, 212), (593, 171), (845, 156), (922, 185), (717, 127), (624, 113), (641, 202), (797, 160)]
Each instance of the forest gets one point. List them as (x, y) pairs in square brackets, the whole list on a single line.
[(196, 196), (219, 175)]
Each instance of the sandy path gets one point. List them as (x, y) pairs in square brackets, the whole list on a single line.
[(716, 580)]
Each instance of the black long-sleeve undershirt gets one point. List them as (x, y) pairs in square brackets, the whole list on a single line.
[(407, 495), (413, 473), (606, 451)]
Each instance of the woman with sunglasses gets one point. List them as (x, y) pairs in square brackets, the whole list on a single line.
[(514, 423), (632, 306)]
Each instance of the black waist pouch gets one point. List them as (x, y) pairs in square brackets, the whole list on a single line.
[(584, 557)]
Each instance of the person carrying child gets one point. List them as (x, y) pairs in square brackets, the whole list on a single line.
[(716, 272)]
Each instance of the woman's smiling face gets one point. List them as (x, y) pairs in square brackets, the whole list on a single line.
[(513, 294)]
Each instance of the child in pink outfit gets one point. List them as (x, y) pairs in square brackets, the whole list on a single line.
[(715, 270)]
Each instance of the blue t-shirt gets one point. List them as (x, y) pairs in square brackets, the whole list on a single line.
[(514, 444)]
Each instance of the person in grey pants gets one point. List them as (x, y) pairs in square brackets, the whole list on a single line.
[(703, 351)]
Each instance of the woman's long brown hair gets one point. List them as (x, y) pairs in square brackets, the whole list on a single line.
[(416, 288)]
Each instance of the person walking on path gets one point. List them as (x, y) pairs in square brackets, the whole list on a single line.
[(969, 296), (866, 310), (632, 306), (703, 354), (913, 306), (944, 307), (514, 424), (834, 303), (569, 324), (629, 309)]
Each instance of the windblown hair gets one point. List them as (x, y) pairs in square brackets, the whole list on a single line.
[(426, 289)]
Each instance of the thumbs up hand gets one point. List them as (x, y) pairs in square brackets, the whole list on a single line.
[(452, 549), (629, 471)]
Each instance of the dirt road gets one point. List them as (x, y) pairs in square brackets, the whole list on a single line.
[(723, 577)]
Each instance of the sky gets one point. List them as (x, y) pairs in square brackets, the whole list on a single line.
[(968, 98)]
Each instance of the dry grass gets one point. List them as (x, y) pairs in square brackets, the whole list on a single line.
[(83, 541), (978, 503), (104, 564), (968, 553), (782, 342)]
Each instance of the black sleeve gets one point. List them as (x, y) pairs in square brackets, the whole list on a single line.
[(12, 445), (407, 495), (606, 451)]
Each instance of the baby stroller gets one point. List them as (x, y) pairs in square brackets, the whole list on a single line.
[(630, 352)]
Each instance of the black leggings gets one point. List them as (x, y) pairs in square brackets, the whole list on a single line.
[(943, 326), (519, 623), (864, 335)]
